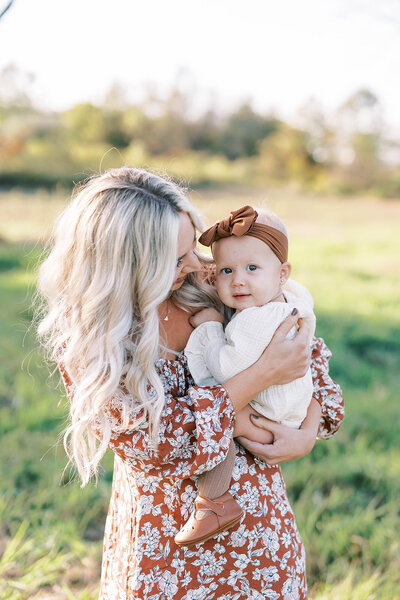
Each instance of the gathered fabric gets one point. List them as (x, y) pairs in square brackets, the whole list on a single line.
[(153, 495)]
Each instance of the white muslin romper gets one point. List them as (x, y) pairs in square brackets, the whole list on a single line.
[(215, 355)]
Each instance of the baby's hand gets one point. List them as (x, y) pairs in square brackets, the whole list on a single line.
[(207, 314)]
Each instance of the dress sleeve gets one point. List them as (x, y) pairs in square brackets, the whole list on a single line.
[(194, 435), (195, 432), (326, 391)]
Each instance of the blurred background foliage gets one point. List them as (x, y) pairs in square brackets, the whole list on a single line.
[(350, 151)]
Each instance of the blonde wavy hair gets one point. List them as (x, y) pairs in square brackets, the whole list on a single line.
[(112, 261)]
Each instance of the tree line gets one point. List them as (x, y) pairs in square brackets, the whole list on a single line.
[(348, 151)]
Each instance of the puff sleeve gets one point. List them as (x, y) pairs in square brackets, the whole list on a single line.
[(326, 391), (196, 428)]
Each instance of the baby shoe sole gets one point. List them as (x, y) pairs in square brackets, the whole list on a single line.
[(211, 535)]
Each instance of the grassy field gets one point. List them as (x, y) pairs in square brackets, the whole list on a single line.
[(345, 494)]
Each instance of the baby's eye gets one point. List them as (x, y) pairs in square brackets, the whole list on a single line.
[(252, 267), (226, 271), (179, 262)]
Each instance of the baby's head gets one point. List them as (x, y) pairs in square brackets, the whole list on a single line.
[(250, 253)]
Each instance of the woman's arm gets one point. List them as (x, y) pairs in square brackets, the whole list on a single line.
[(288, 443), (326, 391), (215, 356), (324, 417), (195, 432)]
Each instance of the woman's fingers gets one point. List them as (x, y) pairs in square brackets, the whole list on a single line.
[(286, 325), (288, 444), (302, 342), (266, 452), (303, 337), (303, 332), (265, 423)]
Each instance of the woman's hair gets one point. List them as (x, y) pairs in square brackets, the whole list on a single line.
[(112, 262)]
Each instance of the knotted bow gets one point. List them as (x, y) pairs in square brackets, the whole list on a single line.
[(243, 222), (238, 223)]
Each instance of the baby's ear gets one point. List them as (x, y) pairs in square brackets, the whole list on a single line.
[(286, 269)]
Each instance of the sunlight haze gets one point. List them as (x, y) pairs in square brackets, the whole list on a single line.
[(276, 54)]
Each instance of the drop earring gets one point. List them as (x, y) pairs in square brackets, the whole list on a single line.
[(168, 311)]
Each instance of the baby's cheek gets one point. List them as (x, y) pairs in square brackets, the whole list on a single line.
[(219, 287), (220, 281)]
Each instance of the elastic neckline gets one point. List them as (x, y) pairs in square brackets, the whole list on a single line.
[(179, 358)]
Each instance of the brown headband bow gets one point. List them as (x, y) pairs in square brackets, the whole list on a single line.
[(243, 222)]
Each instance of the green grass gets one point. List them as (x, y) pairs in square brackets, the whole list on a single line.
[(345, 493)]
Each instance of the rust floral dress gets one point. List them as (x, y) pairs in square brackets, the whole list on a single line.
[(152, 496)]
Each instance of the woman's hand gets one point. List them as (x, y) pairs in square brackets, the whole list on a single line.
[(207, 314), (281, 362), (289, 444), (285, 360), (244, 427)]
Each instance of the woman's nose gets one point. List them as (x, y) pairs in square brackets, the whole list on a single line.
[(193, 264)]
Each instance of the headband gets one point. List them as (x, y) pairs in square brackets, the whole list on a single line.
[(243, 222)]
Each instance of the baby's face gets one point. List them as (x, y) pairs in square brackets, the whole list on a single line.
[(248, 273)]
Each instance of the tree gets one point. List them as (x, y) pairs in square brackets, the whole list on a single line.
[(311, 119), (167, 131), (358, 140), (284, 154), (204, 131), (85, 123), (243, 132)]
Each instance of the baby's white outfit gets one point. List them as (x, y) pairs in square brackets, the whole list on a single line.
[(214, 356)]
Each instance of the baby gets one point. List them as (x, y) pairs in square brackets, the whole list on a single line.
[(252, 277)]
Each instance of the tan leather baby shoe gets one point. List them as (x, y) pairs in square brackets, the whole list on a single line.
[(222, 513)]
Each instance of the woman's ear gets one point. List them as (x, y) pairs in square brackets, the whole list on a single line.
[(286, 269)]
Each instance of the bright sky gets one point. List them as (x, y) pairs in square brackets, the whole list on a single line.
[(277, 52)]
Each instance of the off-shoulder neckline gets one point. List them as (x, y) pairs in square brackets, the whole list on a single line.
[(181, 357)]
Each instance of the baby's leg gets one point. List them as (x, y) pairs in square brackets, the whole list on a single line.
[(245, 427), (215, 508), (216, 482)]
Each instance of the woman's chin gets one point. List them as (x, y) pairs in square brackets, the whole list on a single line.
[(177, 284)]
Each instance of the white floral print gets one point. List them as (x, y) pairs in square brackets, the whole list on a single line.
[(153, 495)]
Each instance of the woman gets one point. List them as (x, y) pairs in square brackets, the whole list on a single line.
[(121, 282)]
